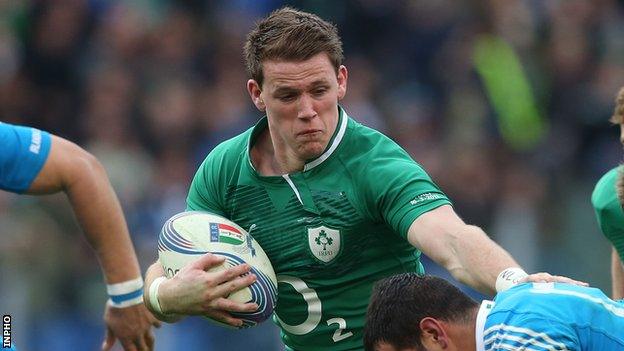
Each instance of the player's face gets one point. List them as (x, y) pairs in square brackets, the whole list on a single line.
[(301, 103)]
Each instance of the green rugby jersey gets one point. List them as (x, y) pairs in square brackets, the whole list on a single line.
[(330, 231), (608, 210)]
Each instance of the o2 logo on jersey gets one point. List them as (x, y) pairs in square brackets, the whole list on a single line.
[(324, 243)]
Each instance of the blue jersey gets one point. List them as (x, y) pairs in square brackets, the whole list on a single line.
[(551, 316), (23, 151)]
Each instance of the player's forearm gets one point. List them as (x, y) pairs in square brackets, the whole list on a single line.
[(479, 259), (154, 271), (617, 276), (150, 296), (464, 250), (100, 215)]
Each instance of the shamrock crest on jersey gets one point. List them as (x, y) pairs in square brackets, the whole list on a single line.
[(323, 239), (324, 243)]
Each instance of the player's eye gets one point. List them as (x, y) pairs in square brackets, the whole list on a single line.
[(287, 98), (319, 91)]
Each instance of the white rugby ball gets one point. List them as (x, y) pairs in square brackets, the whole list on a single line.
[(188, 235)]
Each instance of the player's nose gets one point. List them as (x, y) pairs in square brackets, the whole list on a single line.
[(306, 107)]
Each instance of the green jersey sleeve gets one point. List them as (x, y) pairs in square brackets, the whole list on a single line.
[(398, 190), (205, 193), (608, 210), (209, 186)]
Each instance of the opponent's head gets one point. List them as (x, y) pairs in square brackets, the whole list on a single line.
[(408, 312), (294, 60)]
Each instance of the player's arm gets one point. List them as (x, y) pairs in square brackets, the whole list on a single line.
[(154, 272), (80, 175), (195, 291), (465, 250), (617, 276)]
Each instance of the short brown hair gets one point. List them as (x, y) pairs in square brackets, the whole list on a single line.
[(618, 112), (398, 304), (289, 34)]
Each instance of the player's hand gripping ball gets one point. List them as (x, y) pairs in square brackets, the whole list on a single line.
[(188, 235)]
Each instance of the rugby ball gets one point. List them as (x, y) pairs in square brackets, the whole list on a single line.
[(188, 235)]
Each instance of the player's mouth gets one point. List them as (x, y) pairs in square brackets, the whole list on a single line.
[(310, 133)]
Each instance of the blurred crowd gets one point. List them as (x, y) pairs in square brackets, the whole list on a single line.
[(504, 102)]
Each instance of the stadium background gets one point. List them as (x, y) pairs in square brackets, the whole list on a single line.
[(505, 103)]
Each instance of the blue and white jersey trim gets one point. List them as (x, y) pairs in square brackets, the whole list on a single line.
[(508, 337), (484, 310)]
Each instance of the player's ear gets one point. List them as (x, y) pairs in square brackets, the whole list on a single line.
[(342, 82), (433, 335), (256, 94)]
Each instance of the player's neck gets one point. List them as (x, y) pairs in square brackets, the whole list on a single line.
[(463, 334), (471, 341), (270, 160)]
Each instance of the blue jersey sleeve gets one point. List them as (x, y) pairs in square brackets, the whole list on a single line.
[(24, 152)]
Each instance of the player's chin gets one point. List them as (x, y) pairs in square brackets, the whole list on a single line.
[(311, 150)]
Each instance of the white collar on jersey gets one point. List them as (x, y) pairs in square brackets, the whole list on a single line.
[(484, 310), (343, 120), (342, 128)]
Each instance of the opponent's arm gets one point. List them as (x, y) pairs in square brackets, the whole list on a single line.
[(465, 250), (80, 175), (195, 291), (617, 276)]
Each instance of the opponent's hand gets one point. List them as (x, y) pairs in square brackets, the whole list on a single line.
[(194, 291), (131, 325), (544, 277)]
